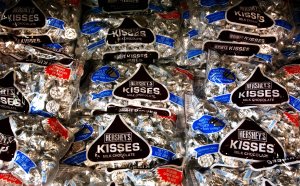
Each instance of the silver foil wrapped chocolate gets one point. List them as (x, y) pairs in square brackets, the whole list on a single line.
[(28, 18), (265, 24), (127, 141), (150, 34), (38, 89), (32, 147), (119, 86)]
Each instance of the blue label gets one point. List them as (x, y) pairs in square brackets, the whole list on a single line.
[(96, 45), (194, 53), (210, 3), (288, 53), (24, 162), (225, 98), (45, 114), (162, 153), (284, 24), (186, 14), (76, 159), (294, 102), (156, 8), (91, 27), (207, 149), (297, 38), (221, 75), (55, 46), (265, 57), (215, 17), (57, 23), (193, 33), (165, 40), (103, 94), (176, 99), (105, 74), (85, 133), (208, 124)]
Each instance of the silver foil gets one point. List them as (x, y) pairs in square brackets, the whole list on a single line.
[(162, 24), (198, 29), (42, 144)]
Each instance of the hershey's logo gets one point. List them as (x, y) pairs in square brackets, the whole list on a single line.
[(118, 143), (249, 141), (10, 97), (117, 137), (145, 87), (257, 90), (249, 13), (129, 32), (134, 32), (25, 14), (141, 86), (252, 135), (121, 147)]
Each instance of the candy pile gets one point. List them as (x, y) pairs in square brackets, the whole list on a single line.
[(156, 92)]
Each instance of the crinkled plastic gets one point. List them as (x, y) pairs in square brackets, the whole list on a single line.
[(104, 37), (268, 25), (137, 86), (32, 147), (48, 90), (242, 146), (118, 142), (41, 18)]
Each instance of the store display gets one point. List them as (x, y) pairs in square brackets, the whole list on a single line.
[(148, 92)]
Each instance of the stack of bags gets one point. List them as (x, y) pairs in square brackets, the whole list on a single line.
[(244, 125), (149, 92)]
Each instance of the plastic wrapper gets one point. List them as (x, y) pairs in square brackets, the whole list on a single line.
[(226, 76), (115, 87), (31, 147), (115, 37), (28, 18), (126, 141), (132, 7), (242, 146), (168, 175), (48, 90), (79, 176), (267, 25)]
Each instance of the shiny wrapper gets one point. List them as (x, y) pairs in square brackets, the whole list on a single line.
[(47, 90), (102, 35), (148, 141), (79, 176), (132, 6), (225, 74), (41, 18), (139, 86), (34, 147), (269, 27), (215, 129)]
